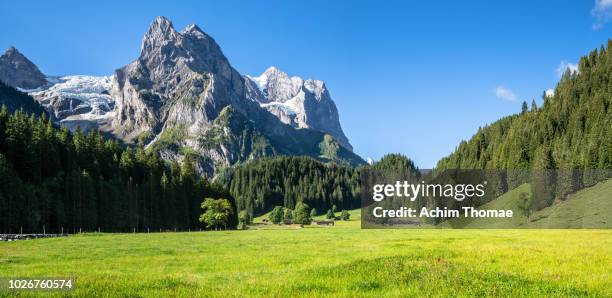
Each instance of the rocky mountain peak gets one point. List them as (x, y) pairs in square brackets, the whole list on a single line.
[(10, 51), (18, 71), (165, 52), (273, 71), (190, 78), (193, 30), (161, 34)]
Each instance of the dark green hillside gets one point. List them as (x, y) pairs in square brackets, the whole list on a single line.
[(16, 100), (572, 130), (261, 184)]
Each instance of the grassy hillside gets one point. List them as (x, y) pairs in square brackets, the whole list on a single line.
[(588, 208), (336, 261)]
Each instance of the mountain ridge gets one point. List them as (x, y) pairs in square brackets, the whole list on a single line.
[(183, 81)]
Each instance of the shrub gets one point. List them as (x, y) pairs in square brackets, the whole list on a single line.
[(276, 216), (345, 215)]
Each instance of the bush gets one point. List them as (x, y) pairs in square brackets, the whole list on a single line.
[(276, 215), (345, 215), (302, 214)]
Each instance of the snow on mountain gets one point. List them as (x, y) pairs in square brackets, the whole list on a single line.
[(297, 102), (77, 98)]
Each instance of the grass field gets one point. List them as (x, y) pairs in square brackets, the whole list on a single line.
[(325, 261), (344, 260)]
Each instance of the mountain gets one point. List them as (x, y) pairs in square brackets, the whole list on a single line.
[(297, 102), (183, 85), (183, 98), (19, 72)]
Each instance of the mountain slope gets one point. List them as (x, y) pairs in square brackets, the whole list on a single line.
[(78, 101), (571, 131), (17, 71), (16, 100)]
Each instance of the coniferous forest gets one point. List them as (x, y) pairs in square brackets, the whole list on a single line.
[(571, 130), (261, 184), (62, 181)]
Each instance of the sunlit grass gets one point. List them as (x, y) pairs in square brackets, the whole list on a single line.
[(315, 261)]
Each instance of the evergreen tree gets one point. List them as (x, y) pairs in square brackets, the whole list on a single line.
[(313, 212), (524, 108)]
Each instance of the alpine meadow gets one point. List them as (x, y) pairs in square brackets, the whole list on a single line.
[(176, 175)]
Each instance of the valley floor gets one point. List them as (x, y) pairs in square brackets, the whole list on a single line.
[(343, 260)]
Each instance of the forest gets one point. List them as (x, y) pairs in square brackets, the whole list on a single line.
[(571, 131), (262, 184), (52, 180)]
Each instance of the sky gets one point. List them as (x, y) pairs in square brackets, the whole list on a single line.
[(410, 77)]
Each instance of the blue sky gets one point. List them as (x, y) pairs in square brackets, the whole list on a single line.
[(409, 77)]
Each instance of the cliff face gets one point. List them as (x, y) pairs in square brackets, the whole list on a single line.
[(297, 102)]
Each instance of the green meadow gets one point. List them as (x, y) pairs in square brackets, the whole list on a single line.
[(342, 260)]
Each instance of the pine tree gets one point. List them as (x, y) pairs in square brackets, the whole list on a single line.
[(524, 108)]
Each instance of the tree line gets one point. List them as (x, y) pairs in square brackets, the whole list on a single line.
[(260, 185), (55, 180)]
